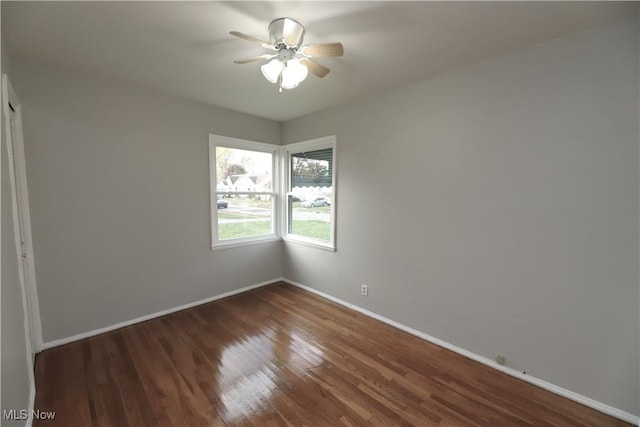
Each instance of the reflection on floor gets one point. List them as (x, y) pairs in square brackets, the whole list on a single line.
[(247, 374), (276, 356)]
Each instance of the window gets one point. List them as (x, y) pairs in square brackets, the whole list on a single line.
[(310, 192), (247, 178), (243, 191)]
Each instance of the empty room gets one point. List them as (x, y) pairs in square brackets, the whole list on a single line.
[(356, 213)]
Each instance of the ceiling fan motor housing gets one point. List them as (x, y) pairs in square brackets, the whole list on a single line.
[(286, 32), (285, 55)]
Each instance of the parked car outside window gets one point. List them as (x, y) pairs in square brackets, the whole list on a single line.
[(317, 202), (222, 203)]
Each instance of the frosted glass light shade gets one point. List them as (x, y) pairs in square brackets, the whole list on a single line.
[(271, 70), (293, 73), (300, 71)]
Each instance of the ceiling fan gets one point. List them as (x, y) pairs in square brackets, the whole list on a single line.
[(291, 62)]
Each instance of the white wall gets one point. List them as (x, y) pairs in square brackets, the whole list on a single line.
[(119, 193), (15, 369), (496, 207)]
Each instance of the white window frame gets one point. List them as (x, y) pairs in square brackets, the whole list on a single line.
[(243, 144), (298, 147)]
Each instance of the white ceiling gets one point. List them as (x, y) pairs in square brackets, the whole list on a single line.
[(184, 48)]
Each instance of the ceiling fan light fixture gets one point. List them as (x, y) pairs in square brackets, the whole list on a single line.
[(285, 67), (272, 69), (289, 79), (293, 74), (299, 71)]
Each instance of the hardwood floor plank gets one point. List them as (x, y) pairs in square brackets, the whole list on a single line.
[(281, 356)]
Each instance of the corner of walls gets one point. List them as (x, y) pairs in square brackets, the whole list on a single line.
[(281, 136)]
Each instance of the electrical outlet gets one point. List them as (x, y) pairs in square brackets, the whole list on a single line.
[(364, 290), (500, 359)]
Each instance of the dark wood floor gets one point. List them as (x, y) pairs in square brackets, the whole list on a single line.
[(282, 356)]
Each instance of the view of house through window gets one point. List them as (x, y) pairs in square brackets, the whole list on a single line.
[(244, 192)]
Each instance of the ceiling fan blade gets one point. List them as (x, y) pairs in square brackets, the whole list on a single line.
[(254, 58), (252, 40), (314, 67), (323, 49)]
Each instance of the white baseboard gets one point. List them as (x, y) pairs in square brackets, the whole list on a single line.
[(599, 406), (83, 335)]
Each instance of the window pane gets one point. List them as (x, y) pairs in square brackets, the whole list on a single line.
[(312, 188), (241, 216), (312, 169), (310, 218), (243, 170)]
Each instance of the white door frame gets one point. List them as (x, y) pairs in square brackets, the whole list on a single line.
[(22, 217)]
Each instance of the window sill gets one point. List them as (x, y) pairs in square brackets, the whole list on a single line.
[(310, 243), (233, 245)]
